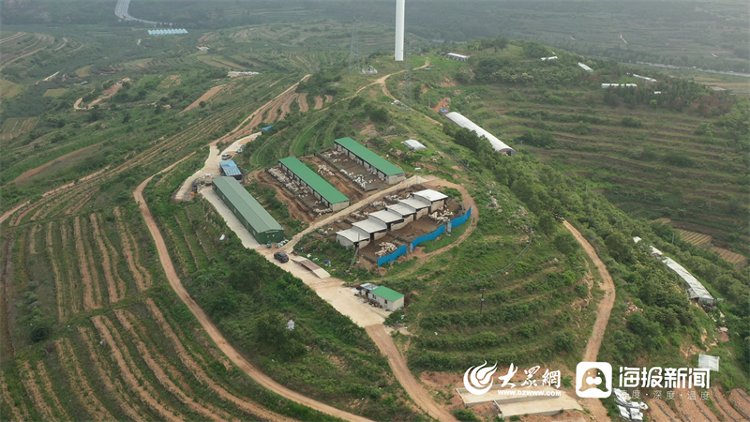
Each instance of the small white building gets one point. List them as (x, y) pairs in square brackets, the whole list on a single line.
[(406, 212), (584, 67), (432, 197), (457, 57), (607, 86), (645, 78), (420, 207), (391, 300), (351, 237), (544, 59), (392, 220), (465, 123), (371, 229), (414, 145)]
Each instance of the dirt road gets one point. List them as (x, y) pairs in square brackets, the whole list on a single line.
[(211, 329), (398, 364), (205, 97), (602, 317)]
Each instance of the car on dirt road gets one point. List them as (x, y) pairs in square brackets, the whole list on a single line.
[(281, 257), (226, 156)]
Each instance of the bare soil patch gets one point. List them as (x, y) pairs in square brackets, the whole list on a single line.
[(604, 309), (202, 376), (11, 211), (205, 97), (661, 412), (79, 383), (59, 290), (133, 377), (161, 375), (32, 388), (59, 160), (444, 102), (89, 301), (114, 295), (121, 288), (32, 239), (318, 102), (47, 385), (302, 101), (416, 391), (740, 402), (725, 406), (297, 210), (110, 380), (126, 240), (20, 413), (695, 410)]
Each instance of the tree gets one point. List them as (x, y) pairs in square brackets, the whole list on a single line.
[(619, 247), (566, 243)]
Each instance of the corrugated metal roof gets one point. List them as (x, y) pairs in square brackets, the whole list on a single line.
[(369, 226), (414, 203), (387, 294), (317, 183), (353, 235), (401, 208), (380, 163), (387, 216), (698, 291), (431, 195), (246, 205), (464, 122), (230, 168)]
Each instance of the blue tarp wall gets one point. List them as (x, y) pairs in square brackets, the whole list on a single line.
[(431, 236), (460, 220), (392, 257), (426, 237)]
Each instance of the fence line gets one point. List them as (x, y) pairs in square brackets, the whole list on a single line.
[(392, 257), (460, 220)]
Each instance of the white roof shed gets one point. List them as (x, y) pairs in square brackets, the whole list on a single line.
[(415, 203), (414, 145), (708, 362), (404, 210), (387, 216), (464, 122), (370, 226), (431, 195)]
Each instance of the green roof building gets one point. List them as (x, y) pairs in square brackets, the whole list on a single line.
[(377, 165), (322, 190), (391, 300), (248, 210)]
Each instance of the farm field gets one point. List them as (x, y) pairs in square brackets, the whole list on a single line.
[(145, 307)]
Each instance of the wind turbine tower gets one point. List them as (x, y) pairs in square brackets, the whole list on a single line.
[(399, 53)]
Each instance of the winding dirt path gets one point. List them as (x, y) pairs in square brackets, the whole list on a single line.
[(202, 376), (398, 364), (205, 97), (213, 332), (604, 309)]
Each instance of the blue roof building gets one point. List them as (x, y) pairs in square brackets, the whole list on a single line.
[(230, 169)]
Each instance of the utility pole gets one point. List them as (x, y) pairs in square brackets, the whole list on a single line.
[(406, 97), (481, 301), (354, 48)]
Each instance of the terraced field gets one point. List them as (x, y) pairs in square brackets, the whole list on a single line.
[(125, 347)]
